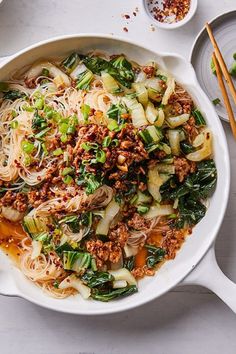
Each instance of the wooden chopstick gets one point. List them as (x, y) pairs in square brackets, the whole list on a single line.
[(221, 62), (225, 95)]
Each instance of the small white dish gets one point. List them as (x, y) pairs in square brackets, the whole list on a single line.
[(174, 25)]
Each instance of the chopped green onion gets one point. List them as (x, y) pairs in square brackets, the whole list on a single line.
[(106, 141), (44, 149), (39, 103), (232, 70), (112, 125), (71, 130), (172, 216), (42, 133), (68, 179), (234, 56), (212, 65), (45, 72), (58, 152), (199, 119), (115, 142), (142, 209), (28, 108), (14, 124), (63, 127), (66, 171), (27, 146), (85, 110), (64, 138), (14, 114), (216, 101), (100, 156), (3, 87)]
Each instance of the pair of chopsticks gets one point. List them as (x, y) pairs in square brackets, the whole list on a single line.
[(222, 71)]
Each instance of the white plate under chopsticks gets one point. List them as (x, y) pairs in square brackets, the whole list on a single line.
[(224, 29)]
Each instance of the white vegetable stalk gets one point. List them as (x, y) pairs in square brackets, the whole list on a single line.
[(54, 72), (170, 89), (154, 183), (111, 211), (118, 284), (136, 111), (123, 274), (37, 247), (206, 149), (159, 210), (73, 282), (178, 120), (109, 83), (174, 139)]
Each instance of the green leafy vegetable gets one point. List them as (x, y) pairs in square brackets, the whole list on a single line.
[(84, 80), (85, 110), (155, 255), (38, 122), (76, 261), (108, 295), (129, 263), (191, 211), (95, 279), (70, 62), (186, 147), (14, 95)]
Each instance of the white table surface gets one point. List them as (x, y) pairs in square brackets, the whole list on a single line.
[(186, 320)]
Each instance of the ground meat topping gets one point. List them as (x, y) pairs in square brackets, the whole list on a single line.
[(104, 251), (17, 201), (138, 222), (183, 167)]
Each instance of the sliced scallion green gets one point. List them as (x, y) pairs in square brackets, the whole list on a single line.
[(68, 179), (113, 125), (64, 138), (14, 124), (42, 133), (216, 101), (100, 156), (85, 110), (67, 170), (27, 146), (106, 141), (58, 152)]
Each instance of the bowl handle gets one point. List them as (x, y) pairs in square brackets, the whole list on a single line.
[(208, 274), (7, 284), (177, 65)]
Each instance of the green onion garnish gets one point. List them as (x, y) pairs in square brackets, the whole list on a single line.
[(42, 133), (142, 209), (39, 103), (216, 101), (66, 171), (14, 124), (67, 179), (113, 125), (64, 138), (234, 56), (58, 152), (44, 149), (71, 130), (106, 141), (27, 146), (63, 127), (100, 156), (85, 110)]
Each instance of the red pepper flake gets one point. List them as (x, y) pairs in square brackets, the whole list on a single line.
[(126, 16), (125, 29), (169, 11), (134, 13)]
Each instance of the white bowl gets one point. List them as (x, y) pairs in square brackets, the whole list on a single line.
[(12, 281), (174, 25)]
